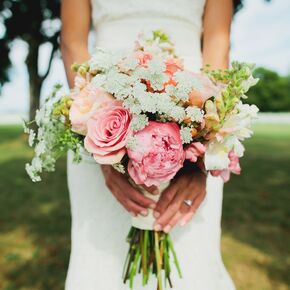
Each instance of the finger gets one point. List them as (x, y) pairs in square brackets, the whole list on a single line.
[(152, 189), (173, 221), (177, 204), (131, 206), (171, 210), (128, 204), (136, 195), (187, 217), (165, 199)]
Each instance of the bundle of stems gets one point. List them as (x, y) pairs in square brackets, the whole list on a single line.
[(149, 254)]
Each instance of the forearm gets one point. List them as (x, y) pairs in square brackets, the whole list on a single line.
[(73, 53), (75, 16), (216, 52), (216, 33)]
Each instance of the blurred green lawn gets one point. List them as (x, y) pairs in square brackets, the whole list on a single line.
[(35, 218)]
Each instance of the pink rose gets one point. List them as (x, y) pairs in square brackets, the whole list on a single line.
[(107, 133), (209, 89), (234, 167), (194, 150), (158, 155), (85, 103)]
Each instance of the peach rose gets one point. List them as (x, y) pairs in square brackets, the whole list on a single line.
[(84, 104), (208, 90)]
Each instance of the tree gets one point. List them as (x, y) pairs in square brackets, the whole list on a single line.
[(272, 93), (36, 22)]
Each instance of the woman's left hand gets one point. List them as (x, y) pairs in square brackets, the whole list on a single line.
[(172, 208)]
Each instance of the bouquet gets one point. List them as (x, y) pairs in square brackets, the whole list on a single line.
[(143, 113)]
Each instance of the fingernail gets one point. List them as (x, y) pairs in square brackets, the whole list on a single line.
[(153, 205), (167, 229), (144, 212), (132, 214), (157, 228), (183, 223), (156, 214)]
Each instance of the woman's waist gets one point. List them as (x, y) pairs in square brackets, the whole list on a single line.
[(121, 35)]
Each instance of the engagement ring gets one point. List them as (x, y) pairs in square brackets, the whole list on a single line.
[(188, 202)]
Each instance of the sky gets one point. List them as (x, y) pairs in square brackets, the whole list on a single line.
[(260, 34)]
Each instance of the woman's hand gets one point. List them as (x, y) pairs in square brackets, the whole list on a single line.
[(171, 208), (131, 199)]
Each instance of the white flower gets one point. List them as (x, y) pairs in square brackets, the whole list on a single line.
[(104, 60), (39, 116), (148, 102), (177, 113), (154, 73), (99, 80), (216, 156), (186, 81), (132, 105), (239, 123), (164, 104), (250, 82), (139, 122), (34, 176), (31, 137), (40, 148), (25, 127), (132, 143), (233, 143), (34, 169), (118, 84), (195, 113), (185, 134), (40, 133), (36, 163), (119, 167), (128, 64)]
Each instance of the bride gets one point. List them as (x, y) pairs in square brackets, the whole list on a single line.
[(99, 194)]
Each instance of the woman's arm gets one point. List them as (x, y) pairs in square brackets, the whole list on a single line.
[(216, 33), (76, 17)]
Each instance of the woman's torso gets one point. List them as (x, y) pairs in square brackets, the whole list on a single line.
[(118, 23)]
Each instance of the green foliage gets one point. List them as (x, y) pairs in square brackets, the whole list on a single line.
[(272, 93)]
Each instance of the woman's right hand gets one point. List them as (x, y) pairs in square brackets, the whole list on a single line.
[(131, 199)]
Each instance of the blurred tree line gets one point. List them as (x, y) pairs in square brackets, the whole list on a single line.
[(272, 93), (36, 22)]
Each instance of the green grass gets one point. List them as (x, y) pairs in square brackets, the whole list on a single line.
[(35, 219)]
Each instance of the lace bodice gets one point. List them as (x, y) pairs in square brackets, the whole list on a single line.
[(189, 11)]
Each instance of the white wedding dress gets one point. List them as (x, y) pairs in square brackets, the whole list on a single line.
[(99, 223)]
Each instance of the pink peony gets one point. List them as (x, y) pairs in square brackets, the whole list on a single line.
[(85, 103), (158, 155), (194, 150), (107, 133), (234, 167)]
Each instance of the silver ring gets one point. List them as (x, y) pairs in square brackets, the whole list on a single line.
[(188, 202)]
